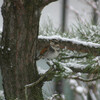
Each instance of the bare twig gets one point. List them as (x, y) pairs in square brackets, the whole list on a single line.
[(76, 13), (93, 5)]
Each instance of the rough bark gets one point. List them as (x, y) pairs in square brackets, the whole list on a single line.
[(19, 39)]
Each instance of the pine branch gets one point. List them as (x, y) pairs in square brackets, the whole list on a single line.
[(71, 57), (71, 44), (82, 79), (52, 71), (87, 69)]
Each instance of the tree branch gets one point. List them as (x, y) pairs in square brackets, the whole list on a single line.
[(87, 69), (46, 2), (71, 57), (37, 82), (40, 79), (43, 3), (52, 71), (82, 79), (71, 44)]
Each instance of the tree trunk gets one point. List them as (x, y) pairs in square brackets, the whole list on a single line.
[(19, 39), (95, 15)]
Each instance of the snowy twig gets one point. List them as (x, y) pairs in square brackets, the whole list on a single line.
[(57, 97), (71, 44), (75, 67), (37, 82), (71, 57), (82, 79)]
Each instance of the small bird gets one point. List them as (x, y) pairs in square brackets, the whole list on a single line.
[(50, 52)]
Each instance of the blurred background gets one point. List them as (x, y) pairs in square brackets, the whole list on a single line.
[(81, 16)]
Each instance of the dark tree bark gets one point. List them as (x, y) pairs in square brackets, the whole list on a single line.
[(19, 40), (95, 15)]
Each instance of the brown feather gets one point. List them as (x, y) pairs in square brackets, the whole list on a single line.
[(44, 50)]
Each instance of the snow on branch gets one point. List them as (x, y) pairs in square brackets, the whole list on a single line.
[(86, 69), (82, 79), (71, 44), (56, 67), (75, 68)]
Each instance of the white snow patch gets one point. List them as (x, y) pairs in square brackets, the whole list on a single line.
[(80, 89), (73, 82), (56, 97), (97, 59), (79, 74), (74, 41), (50, 62), (63, 96), (2, 47), (0, 30), (41, 70), (75, 65), (67, 70), (9, 49), (42, 66), (2, 95)]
